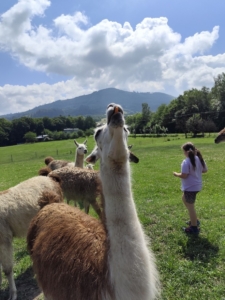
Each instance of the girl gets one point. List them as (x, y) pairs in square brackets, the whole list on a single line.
[(192, 168)]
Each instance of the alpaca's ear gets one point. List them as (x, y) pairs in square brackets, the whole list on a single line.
[(93, 157), (130, 146), (75, 142), (133, 158), (85, 142)]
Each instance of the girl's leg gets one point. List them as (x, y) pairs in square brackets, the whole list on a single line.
[(184, 201), (192, 213)]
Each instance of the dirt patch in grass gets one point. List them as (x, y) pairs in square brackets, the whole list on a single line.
[(26, 285)]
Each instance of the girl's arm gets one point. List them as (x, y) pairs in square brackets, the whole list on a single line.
[(180, 175), (205, 169)]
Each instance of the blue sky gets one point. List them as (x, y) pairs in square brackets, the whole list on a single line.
[(52, 50)]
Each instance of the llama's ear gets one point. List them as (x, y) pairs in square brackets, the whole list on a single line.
[(93, 157), (85, 142), (130, 146), (133, 158), (75, 142)]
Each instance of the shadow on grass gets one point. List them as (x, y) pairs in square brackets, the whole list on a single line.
[(198, 248), (26, 285), (21, 254)]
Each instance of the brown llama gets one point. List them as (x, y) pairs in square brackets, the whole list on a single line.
[(83, 185), (80, 185), (76, 256), (220, 137), (18, 205)]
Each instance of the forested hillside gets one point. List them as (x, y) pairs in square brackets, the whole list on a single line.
[(196, 111), (95, 104)]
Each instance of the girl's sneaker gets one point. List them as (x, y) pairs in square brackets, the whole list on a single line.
[(189, 223), (191, 230)]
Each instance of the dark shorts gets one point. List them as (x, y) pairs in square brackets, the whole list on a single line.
[(190, 196)]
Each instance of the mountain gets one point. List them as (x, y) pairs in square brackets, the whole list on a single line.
[(95, 104)]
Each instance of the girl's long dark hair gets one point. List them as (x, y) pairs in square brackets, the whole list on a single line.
[(198, 153), (192, 151)]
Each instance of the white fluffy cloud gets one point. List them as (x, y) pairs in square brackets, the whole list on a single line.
[(149, 57)]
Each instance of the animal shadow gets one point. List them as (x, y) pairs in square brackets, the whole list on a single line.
[(26, 285), (199, 248)]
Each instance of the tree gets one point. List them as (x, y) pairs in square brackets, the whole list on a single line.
[(146, 114), (30, 137), (195, 124), (19, 128), (218, 102), (209, 126), (89, 132), (5, 129), (158, 116), (218, 90)]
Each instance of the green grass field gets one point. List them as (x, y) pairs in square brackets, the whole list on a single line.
[(190, 267)]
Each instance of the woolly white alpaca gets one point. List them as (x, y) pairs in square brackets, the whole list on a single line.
[(81, 150), (18, 205), (77, 257)]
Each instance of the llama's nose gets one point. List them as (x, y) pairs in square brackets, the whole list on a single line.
[(117, 109)]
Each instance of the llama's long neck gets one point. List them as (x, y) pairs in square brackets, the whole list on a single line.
[(131, 266), (79, 160)]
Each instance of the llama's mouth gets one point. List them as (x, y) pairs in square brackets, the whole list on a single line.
[(115, 115)]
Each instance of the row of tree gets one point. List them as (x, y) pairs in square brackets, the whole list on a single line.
[(196, 111), (14, 132)]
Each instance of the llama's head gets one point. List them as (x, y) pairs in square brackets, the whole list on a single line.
[(94, 156), (111, 138), (81, 148), (220, 137)]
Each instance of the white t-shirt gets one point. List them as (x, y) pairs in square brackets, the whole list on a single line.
[(193, 183)]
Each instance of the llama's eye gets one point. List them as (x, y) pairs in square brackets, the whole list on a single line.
[(97, 133), (111, 105)]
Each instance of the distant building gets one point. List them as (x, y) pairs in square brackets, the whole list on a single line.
[(43, 137), (70, 130)]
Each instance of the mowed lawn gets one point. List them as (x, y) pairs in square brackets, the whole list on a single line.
[(190, 267)]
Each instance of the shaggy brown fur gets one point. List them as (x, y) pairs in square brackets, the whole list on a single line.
[(44, 171), (56, 164), (49, 197), (79, 185), (48, 159), (83, 252), (220, 137)]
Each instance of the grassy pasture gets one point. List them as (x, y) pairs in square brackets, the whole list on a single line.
[(190, 268)]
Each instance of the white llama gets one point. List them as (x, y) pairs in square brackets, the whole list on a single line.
[(81, 150), (76, 256), (18, 205)]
